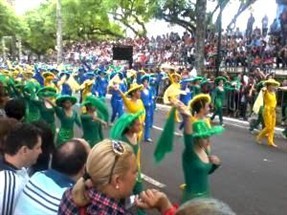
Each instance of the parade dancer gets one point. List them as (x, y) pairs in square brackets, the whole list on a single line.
[(269, 112), (32, 107), (197, 161), (258, 108), (148, 101), (218, 98), (67, 116), (65, 87), (86, 89), (49, 77), (116, 86), (47, 111), (133, 103), (196, 88), (93, 120), (101, 84), (127, 129)]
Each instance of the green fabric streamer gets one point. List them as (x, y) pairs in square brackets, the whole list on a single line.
[(165, 142)]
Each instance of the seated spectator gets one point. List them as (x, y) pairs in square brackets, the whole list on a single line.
[(4, 97), (111, 172), (20, 150), (43, 192), (204, 207), (15, 108)]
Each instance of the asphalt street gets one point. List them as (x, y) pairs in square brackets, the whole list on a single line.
[(252, 178)]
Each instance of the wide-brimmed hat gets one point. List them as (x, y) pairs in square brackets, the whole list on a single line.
[(145, 77), (199, 97), (220, 78), (99, 104), (134, 87), (201, 129), (48, 74), (272, 82), (197, 78), (173, 75), (123, 123), (28, 72), (62, 98), (47, 92)]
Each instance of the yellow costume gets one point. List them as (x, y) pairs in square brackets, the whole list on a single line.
[(269, 116), (269, 113), (134, 106)]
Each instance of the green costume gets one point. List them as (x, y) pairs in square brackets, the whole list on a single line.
[(32, 107), (47, 114), (218, 100), (195, 170), (196, 89), (92, 129), (117, 133), (66, 131)]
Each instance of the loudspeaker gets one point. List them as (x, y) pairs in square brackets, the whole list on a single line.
[(123, 53)]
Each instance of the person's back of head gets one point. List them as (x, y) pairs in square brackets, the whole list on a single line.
[(47, 146), (15, 108), (70, 158), (6, 126), (204, 207), (24, 143)]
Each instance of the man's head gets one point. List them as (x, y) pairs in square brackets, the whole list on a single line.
[(23, 145), (15, 108), (70, 158)]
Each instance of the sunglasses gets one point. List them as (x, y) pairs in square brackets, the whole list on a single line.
[(119, 150)]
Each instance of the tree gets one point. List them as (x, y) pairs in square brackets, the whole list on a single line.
[(133, 14)]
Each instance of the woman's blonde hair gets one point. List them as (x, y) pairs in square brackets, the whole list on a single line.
[(100, 165)]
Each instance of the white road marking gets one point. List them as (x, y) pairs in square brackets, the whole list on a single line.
[(152, 181)]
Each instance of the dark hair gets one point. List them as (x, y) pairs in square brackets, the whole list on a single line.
[(6, 126), (198, 105), (22, 135), (70, 157), (47, 146), (15, 108)]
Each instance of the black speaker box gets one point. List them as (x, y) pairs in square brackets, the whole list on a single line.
[(123, 53)]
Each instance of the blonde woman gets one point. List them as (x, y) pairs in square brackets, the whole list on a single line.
[(111, 172)]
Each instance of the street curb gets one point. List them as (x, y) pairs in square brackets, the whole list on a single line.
[(227, 120)]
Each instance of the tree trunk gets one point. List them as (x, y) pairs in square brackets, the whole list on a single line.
[(59, 33), (200, 13)]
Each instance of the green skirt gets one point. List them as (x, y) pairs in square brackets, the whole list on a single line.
[(64, 135), (189, 195)]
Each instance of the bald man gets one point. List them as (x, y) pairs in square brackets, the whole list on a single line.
[(43, 192)]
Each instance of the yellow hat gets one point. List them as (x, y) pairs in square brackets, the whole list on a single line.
[(272, 82), (199, 97), (28, 72), (134, 87), (48, 74), (175, 75)]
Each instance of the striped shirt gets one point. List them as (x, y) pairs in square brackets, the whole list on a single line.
[(43, 193), (12, 182)]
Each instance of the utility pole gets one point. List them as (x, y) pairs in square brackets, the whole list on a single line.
[(59, 33)]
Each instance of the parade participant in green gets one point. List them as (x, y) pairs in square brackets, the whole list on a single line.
[(95, 116), (218, 98), (196, 88), (47, 96), (197, 161), (67, 116), (126, 129), (30, 97)]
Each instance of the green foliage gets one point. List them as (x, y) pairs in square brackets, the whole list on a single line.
[(10, 24)]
